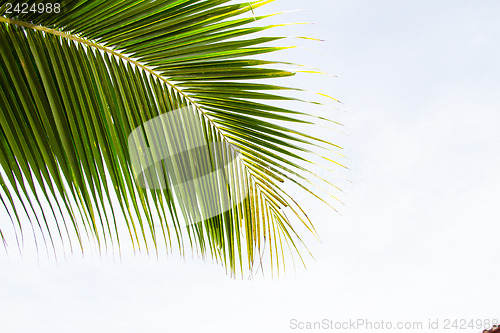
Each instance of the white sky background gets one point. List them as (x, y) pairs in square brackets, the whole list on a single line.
[(418, 238)]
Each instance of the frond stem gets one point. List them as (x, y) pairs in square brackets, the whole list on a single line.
[(119, 55)]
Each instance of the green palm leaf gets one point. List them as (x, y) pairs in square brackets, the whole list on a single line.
[(77, 83)]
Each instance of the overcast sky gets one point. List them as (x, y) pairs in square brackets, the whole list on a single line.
[(418, 235)]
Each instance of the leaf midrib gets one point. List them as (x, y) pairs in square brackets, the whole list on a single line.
[(121, 56)]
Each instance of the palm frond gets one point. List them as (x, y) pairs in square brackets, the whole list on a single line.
[(75, 86)]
